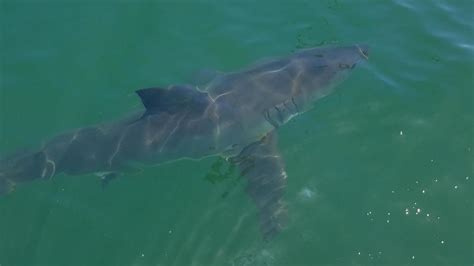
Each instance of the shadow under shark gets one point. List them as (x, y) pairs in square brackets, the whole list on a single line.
[(234, 115)]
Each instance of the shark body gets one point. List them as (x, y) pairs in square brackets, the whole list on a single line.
[(234, 115)]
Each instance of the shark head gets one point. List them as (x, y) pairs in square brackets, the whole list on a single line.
[(283, 87), (319, 70)]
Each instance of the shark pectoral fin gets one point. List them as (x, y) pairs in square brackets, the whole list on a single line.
[(262, 166)]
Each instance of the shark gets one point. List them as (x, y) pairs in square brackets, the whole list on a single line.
[(235, 115)]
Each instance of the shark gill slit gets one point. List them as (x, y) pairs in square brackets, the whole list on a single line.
[(279, 114), (294, 103), (270, 119)]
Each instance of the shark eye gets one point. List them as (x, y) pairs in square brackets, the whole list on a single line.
[(344, 66)]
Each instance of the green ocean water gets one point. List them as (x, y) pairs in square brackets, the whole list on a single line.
[(380, 172)]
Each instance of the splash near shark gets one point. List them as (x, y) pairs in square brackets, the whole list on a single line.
[(234, 115)]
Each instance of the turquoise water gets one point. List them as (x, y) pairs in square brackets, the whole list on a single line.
[(380, 173)]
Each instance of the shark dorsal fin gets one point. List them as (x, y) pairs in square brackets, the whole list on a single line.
[(151, 97), (172, 100)]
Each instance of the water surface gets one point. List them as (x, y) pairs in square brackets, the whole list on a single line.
[(380, 173)]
